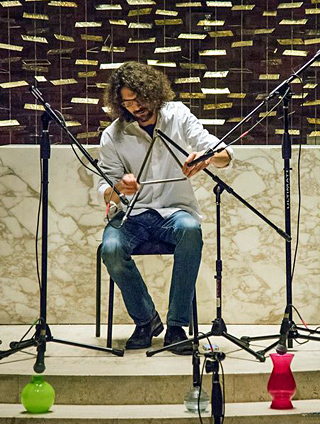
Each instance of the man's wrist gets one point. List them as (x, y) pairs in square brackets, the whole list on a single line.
[(221, 160)]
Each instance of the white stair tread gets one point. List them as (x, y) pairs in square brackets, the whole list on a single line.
[(251, 409), (69, 360)]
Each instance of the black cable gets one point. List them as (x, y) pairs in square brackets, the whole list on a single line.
[(223, 391), (298, 215), (223, 382), (94, 172), (255, 124), (200, 389), (37, 321), (38, 225), (300, 343), (80, 160), (299, 194), (305, 325), (299, 315), (208, 339), (201, 379), (72, 146)]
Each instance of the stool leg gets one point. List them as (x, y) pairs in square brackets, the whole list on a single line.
[(98, 290), (110, 313), (191, 321)]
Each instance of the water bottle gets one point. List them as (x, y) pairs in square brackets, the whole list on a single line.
[(192, 402)]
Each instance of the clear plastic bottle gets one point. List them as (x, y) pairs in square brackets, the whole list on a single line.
[(191, 400)]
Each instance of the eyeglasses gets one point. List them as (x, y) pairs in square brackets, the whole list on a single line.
[(129, 103)]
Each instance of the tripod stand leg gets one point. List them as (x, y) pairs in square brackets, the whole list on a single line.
[(242, 345), (248, 339), (264, 351), (219, 328), (283, 337), (40, 341), (17, 347), (117, 352), (309, 330), (292, 335)]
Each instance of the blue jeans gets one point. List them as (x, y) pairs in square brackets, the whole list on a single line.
[(180, 229)]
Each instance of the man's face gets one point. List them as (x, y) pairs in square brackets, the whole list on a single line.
[(142, 114)]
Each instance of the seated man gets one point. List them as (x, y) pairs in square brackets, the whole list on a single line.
[(140, 97)]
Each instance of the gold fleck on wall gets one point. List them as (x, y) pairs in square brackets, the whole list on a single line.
[(222, 58)]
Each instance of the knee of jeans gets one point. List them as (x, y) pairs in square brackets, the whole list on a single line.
[(190, 232), (112, 252)]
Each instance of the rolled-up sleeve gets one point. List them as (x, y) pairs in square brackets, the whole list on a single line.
[(196, 135)]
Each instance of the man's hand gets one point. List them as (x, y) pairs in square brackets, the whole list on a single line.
[(189, 171), (128, 185), (220, 160)]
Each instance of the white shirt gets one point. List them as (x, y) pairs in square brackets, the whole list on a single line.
[(124, 145)]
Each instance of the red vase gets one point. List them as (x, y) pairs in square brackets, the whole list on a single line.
[(281, 384)]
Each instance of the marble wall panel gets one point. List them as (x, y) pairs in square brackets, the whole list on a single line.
[(253, 253)]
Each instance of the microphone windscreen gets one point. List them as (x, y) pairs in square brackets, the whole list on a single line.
[(281, 349)]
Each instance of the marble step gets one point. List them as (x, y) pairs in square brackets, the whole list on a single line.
[(304, 412), (167, 389), (86, 377)]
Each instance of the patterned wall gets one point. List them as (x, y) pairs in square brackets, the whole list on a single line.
[(222, 57)]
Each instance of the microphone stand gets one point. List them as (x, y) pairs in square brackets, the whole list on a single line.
[(43, 333), (54, 116), (210, 152), (219, 327), (288, 329), (217, 399)]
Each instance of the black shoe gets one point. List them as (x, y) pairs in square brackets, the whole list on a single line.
[(175, 334), (142, 336)]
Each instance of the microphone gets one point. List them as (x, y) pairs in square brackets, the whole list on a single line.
[(123, 199), (39, 366), (281, 347), (129, 208)]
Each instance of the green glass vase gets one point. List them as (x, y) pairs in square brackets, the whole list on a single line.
[(38, 395)]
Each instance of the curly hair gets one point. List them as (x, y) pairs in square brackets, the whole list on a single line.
[(151, 86)]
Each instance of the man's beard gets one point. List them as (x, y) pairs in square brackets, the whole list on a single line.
[(143, 115)]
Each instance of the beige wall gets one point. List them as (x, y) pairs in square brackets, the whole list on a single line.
[(253, 254)]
